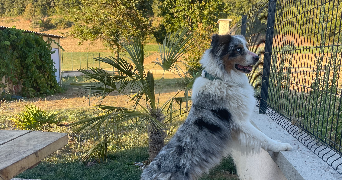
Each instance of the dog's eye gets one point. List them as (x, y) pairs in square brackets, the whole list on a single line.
[(239, 49)]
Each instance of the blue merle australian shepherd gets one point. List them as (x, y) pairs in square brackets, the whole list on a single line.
[(222, 105)]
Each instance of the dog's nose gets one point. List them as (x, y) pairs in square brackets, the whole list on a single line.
[(255, 59)]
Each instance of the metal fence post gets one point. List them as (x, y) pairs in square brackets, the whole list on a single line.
[(243, 25), (268, 55)]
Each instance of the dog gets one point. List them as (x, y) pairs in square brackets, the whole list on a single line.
[(222, 105)]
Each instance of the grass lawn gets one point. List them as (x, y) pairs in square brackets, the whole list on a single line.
[(72, 61), (74, 104), (118, 166)]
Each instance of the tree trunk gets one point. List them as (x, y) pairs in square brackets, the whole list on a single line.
[(155, 141), (156, 135)]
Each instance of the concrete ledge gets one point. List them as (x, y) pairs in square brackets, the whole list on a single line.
[(300, 163)]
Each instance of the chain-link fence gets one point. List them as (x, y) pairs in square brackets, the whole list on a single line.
[(301, 70)]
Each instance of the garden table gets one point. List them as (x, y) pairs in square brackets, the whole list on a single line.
[(20, 150)]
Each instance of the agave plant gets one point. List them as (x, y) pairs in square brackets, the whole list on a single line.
[(132, 77)]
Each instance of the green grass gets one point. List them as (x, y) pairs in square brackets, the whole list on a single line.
[(67, 163), (161, 84), (5, 123), (118, 166), (225, 170), (72, 61), (151, 48)]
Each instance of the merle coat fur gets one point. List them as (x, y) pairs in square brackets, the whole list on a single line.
[(220, 114)]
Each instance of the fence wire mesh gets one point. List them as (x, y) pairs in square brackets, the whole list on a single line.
[(303, 88), (253, 27), (305, 82)]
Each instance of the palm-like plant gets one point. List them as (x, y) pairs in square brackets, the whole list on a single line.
[(132, 77), (255, 75)]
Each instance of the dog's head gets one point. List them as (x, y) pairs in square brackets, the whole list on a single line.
[(233, 53)]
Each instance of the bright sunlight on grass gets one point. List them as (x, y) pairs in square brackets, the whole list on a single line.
[(73, 104)]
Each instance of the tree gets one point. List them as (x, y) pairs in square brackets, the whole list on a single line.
[(201, 18), (198, 16), (29, 13), (17, 7), (134, 78), (236, 9), (64, 6), (110, 21)]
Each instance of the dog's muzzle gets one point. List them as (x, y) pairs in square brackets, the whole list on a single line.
[(255, 59), (248, 69), (245, 69)]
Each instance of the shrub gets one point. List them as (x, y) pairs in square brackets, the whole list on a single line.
[(25, 60), (61, 22), (33, 118), (43, 24)]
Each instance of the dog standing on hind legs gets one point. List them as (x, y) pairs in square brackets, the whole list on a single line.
[(222, 105)]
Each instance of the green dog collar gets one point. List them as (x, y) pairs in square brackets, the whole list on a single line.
[(205, 74)]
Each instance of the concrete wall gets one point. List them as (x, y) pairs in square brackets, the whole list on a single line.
[(56, 57), (299, 164), (223, 26)]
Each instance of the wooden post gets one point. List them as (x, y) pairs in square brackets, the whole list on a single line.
[(87, 60), (89, 95), (72, 63), (186, 98), (99, 58)]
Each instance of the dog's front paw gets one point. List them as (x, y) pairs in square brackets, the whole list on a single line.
[(285, 147), (281, 147)]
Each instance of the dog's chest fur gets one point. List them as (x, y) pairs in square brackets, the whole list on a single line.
[(237, 99), (204, 138)]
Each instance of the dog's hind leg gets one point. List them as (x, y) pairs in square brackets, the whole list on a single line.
[(265, 142)]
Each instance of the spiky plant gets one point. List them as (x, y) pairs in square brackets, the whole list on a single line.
[(255, 75), (132, 77)]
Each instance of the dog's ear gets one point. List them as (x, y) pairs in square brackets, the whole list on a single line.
[(218, 41), (215, 40), (225, 39)]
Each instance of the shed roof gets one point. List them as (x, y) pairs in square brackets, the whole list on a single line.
[(38, 33)]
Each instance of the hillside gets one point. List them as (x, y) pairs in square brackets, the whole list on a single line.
[(68, 43)]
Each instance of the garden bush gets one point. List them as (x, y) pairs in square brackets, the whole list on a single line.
[(33, 118), (25, 61)]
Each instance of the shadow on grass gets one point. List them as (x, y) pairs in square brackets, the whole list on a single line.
[(162, 85), (169, 85), (118, 166), (72, 88)]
